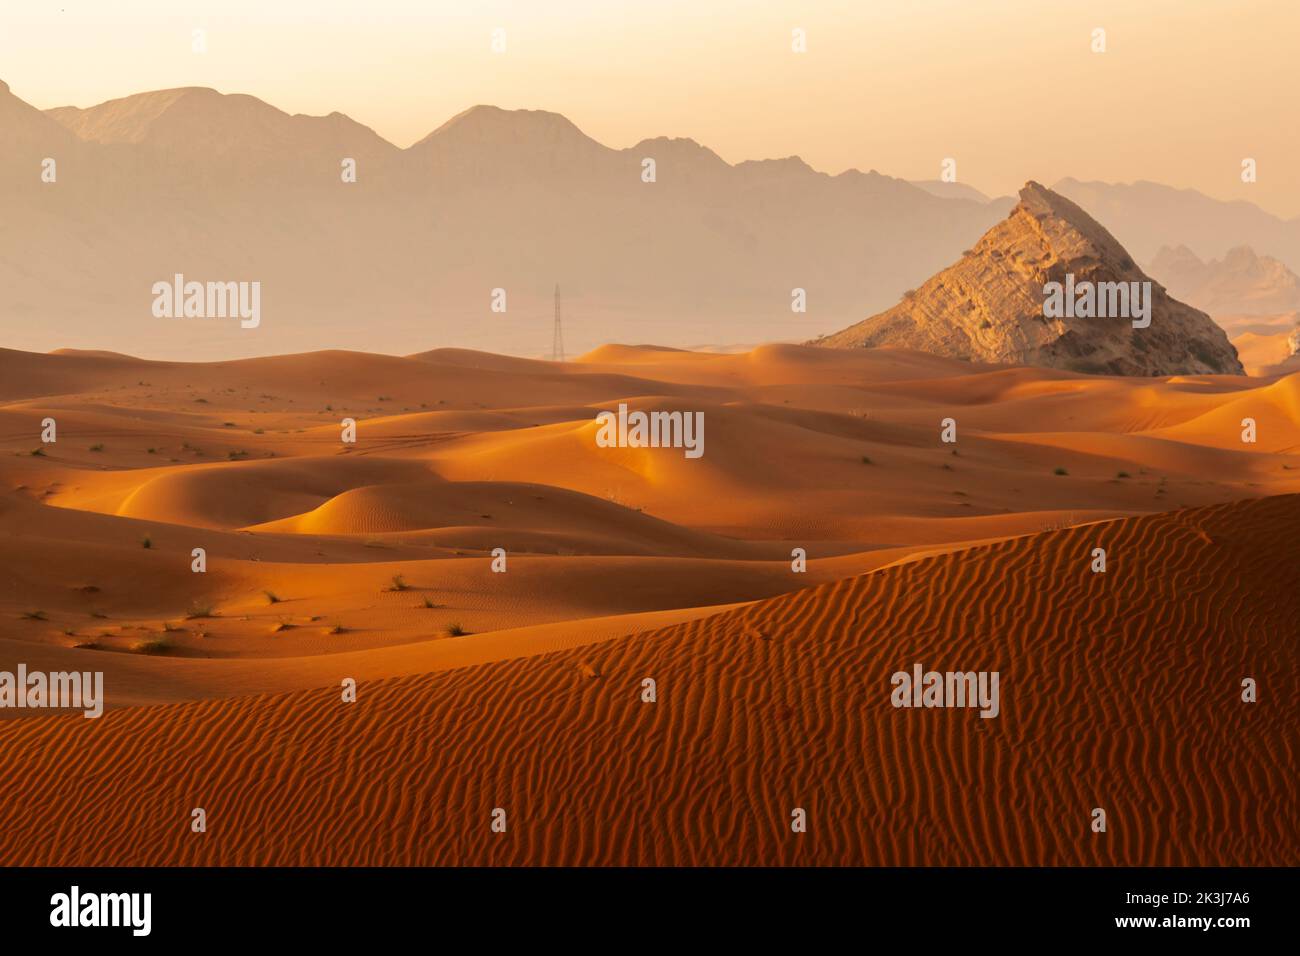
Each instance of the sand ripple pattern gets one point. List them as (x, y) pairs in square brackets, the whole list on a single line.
[(1119, 690)]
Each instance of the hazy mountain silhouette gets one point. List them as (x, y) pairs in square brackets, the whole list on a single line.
[(1242, 283), (944, 190), (228, 188), (1146, 216)]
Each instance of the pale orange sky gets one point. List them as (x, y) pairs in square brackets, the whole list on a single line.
[(1009, 88)]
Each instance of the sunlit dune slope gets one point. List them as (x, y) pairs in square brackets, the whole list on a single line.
[(316, 545)]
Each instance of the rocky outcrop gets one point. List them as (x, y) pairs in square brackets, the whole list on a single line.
[(993, 305)]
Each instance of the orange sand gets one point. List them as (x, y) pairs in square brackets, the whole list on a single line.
[(1119, 690), (974, 555)]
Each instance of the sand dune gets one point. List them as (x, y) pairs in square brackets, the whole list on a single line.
[(459, 453), (1267, 352), (1120, 690), (374, 561)]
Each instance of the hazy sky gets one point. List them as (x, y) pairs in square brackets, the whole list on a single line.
[(1009, 88)]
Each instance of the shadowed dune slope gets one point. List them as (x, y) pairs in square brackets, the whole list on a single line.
[(1118, 690)]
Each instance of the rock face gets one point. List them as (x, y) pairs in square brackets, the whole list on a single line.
[(1241, 283), (989, 306)]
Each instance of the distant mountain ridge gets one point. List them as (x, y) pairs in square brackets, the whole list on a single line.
[(228, 188), (225, 187), (946, 190), (1242, 283), (1146, 216)]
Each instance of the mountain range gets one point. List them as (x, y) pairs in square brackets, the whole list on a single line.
[(1146, 216), (1242, 283), (224, 187), (228, 188)]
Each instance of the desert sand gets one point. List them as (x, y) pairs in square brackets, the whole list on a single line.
[(521, 690), (1121, 691)]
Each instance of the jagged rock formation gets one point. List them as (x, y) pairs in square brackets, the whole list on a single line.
[(989, 306)]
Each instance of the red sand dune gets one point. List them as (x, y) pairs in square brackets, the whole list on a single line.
[(1119, 690)]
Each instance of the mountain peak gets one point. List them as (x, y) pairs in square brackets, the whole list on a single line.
[(990, 305), (204, 121), (489, 143), (25, 130), (783, 165), (1034, 190), (166, 115), (494, 125), (681, 150), (1042, 203)]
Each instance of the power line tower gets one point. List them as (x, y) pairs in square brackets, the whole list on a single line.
[(557, 337)]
